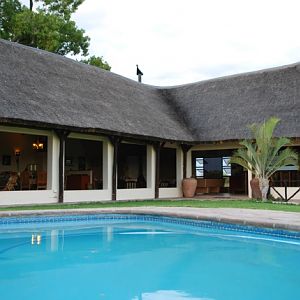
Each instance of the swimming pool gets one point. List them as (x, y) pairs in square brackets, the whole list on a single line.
[(145, 258)]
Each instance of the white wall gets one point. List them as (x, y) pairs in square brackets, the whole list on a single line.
[(290, 192), (189, 166), (249, 185), (87, 196), (27, 197), (53, 163)]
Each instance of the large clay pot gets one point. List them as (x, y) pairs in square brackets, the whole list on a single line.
[(189, 186), (256, 193)]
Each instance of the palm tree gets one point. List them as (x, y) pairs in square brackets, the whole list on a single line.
[(264, 156)]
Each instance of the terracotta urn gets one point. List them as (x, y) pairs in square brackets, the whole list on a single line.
[(256, 193), (189, 186)]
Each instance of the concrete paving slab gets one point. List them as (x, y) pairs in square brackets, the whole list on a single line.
[(255, 217)]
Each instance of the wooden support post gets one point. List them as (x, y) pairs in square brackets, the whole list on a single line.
[(185, 148), (115, 142), (285, 191), (62, 134), (157, 147)]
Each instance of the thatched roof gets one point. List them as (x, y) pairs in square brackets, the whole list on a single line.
[(221, 109), (37, 86), (41, 89)]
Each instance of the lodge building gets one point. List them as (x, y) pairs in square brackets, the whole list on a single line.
[(71, 132)]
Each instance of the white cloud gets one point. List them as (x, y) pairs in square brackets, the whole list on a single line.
[(177, 41), (169, 295)]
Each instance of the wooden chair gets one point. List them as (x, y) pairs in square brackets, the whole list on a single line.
[(164, 184), (131, 183), (11, 183), (24, 180), (41, 180), (4, 176)]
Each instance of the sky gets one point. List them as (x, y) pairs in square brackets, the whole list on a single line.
[(181, 41)]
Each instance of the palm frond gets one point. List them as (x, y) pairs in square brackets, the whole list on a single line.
[(284, 158), (251, 150), (264, 157), (277, 145), (241, 162)]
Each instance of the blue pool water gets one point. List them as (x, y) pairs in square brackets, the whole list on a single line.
[(145, 258)]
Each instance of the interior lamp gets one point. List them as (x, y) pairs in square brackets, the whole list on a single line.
[(38, 145), (17, 151)]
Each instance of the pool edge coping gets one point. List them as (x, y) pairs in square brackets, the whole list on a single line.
[(160, 211)]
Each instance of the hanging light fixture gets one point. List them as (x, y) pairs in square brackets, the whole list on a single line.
[(38, 145), (17, 151)]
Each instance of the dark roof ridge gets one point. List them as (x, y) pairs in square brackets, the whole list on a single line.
[(237, 75), (71, 60)]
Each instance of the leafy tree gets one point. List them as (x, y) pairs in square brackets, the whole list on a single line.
[(98, 62), (265, 155), (48, 27), (8, 11), (37, 30), (62, 8)]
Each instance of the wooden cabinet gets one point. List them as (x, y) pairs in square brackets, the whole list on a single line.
[(77, 182)]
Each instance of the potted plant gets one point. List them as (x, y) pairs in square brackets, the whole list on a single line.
[(264, 155), (189, 186)]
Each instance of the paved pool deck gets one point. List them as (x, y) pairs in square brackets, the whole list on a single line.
[(255, 217)]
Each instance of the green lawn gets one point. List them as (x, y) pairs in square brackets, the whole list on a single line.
[(178, 203)]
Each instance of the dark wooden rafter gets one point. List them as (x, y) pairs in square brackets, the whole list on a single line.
[(185, 148), (115, 140), (93, 131), (62, 135)]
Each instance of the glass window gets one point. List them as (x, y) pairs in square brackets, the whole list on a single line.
[(213, 168), (226, 166), (199, 167)]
